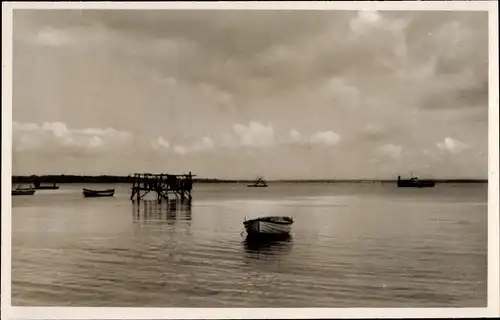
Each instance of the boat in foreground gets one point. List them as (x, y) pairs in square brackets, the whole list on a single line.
[(269, 226), (23, 192), (414, 182), (98, 193)]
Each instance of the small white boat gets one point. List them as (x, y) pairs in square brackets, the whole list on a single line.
[(272, 225)]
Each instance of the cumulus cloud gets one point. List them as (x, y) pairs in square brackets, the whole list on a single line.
[(365, 20), (205, 144), (327, 138), (452, 145), (255, 134), (57, 136), (180, 150), (160, 143), (322, 138)]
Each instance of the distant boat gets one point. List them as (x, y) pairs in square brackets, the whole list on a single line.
[(258, 183), (98, 193), (19, 191), (46, 187), (414, 182), (272, 225)]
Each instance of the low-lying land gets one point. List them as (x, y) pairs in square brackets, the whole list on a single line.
[(128, 179)]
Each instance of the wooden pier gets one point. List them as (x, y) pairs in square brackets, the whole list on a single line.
[(176, 185)]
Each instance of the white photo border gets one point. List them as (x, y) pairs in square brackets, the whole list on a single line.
[(493, 298)]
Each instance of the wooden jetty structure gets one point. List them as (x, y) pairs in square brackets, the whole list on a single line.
[(177, 185)]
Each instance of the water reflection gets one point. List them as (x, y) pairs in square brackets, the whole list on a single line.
[(258, 247), (167, 211)]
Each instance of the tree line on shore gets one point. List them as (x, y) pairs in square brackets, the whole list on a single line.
[(129, 179)]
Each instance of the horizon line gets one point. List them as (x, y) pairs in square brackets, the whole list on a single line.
[(253, 179)]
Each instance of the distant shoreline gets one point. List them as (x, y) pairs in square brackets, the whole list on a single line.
[(128, 179)]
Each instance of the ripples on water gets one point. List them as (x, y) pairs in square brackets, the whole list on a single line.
[(351, 246)]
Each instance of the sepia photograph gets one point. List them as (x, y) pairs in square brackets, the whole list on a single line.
[(250, 158)]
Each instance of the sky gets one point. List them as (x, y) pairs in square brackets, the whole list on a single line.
[(238, 94)]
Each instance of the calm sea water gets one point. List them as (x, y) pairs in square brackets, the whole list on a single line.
[(352, 245)]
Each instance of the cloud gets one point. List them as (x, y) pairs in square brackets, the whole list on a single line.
[(390, 150), (180, 74), (74, 37), (52, 37), (160, 143), (452, 145), (205, 144), (365, 20), (255, 134), (181, 150), (327, 138), (338, 90), (56, 136), (296, 137), (323, 138)]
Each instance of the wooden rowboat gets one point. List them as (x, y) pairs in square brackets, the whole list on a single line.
[(23, 192), (272, 225), (88, 193)]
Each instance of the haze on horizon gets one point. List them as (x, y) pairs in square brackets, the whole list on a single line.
[(236, 94)]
